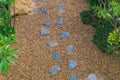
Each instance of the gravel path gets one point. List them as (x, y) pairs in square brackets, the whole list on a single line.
[(35, 58)]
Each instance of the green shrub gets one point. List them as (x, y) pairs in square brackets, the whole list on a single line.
[(87, 17), (101, 35), (7, 30), (6, 1), (7, 36), (103, 28), (5, 27), (111, 14), (92, 2), (101, 21)]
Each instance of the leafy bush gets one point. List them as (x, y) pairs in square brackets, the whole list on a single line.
[(100, 38), (111, 12), (7, 30), (5, 27), (92, 2), (87, 17), (6, 1), (7, 36), (103, 28)]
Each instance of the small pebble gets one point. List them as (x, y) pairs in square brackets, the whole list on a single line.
[(73, 77), (92, 77), (64, 34), (44, 31), (70, 48), (54, 69), (44, 10), (52, 42), (60, 5), (60, 21), (56, 56), (60, 11), (47, 23), (72, 64)]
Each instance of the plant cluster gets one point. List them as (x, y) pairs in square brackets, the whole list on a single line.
[(104, 16), (7, 36)]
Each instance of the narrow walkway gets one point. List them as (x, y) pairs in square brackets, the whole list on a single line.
[(35, 58)]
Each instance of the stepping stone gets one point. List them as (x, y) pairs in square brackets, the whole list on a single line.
[(60, 21), (60, 5), (47, 23), (44, 10), (60, 11), (73, 77), (64, 34), (92, 77), (52, 43), (56, 55), (54, 69), (72, 64), (70, 48), (44, 31), (44, 0)]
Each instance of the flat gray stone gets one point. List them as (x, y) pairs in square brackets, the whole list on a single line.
[(60, 21), (56, 55), (44, 10), (47, 23), (55, 69), (52, 43), (60, 11), (44, 31), (60, 5), (44, 0), (73, 77), (64, 34), (92, 77), (72, 64), (70, 48)]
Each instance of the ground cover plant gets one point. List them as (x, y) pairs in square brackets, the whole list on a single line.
[(7, 36), (104, 16)]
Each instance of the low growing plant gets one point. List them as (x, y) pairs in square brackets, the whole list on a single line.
[(7, 36), (102, 25), (110, 12), (7, 56)]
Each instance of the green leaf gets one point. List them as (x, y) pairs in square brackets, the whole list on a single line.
[(6, 50), (11, 61), (13, 50), (108, 15), (1, 49), (5, 66), (1, 55), (1, 65), (14, 56)]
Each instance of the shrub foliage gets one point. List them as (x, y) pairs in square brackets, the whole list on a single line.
[(99, 17), (7, 36)]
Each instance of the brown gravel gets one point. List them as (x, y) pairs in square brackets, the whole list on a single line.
[(35, 57)]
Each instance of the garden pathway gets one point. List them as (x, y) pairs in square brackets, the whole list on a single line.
[(35, 57)]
